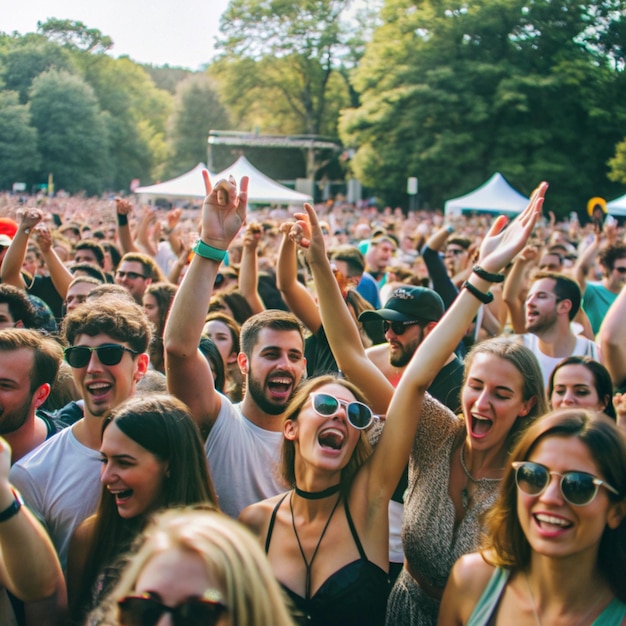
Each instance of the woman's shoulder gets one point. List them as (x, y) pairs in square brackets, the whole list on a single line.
[(470, 575), (85, 530), (257, 516)]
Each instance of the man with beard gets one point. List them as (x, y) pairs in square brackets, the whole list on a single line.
[(60, 480), (552, 303), (29, 363), (408, 316), (243, 440)]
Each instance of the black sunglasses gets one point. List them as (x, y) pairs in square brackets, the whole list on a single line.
[(398, 328), (359, 415), (145, 610), (131, 275), (621, 270), (455, 251), (108, 354), (578, 488)]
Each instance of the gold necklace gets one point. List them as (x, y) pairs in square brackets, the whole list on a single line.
[(465, 495)]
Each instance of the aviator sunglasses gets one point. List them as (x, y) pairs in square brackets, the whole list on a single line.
[(577, 488), (398, 328), (359, 415), (108, 354), (145, 610)]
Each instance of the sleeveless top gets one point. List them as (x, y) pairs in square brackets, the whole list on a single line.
[(355, 595), (484, 614)]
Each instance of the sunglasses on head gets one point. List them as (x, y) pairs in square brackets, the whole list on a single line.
[(577, 488), (144, 610), (108, 354), (359, 415), (398, 328), (131, 275)]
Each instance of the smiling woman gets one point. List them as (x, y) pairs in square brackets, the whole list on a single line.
[(556, 534), (152, 458)]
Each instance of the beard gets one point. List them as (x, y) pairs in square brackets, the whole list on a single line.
[(541, 323), (10, 422), (257, 390), (403, 356)]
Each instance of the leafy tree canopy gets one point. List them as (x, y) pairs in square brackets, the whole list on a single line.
[(75, 35)]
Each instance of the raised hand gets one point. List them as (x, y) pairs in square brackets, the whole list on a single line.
[(122, 206), (43, 237), (500, 246), (223, 211), (29, 218), (307, 233)]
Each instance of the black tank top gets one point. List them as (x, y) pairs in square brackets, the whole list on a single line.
[(355, 595)]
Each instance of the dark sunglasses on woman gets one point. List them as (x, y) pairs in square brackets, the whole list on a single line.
[(577, 488), (145, 610)]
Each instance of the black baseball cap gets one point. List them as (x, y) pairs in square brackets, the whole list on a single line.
[(408, 304)]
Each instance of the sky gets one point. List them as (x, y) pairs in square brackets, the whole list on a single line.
[(180, 33)]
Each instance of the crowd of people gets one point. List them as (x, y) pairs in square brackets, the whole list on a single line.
[(329, 415)]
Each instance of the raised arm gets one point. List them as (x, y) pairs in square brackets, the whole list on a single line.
[(513, 288), (188, 373), (11, 271), (59, 274), (585, 261), (123, 209), (612, 339), (341, 330), (29, 566), (249, 269), (296, 296), (403, 416)]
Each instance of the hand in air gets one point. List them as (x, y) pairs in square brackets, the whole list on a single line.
[(307, 233), (223, 211)]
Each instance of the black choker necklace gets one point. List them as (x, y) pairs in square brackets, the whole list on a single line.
[(318, 495)]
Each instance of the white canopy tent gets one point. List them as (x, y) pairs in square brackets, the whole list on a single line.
[(494, 196), (261, 190), (617, 206)]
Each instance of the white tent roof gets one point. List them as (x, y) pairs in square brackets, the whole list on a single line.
[(261, 190), (495, 196), (617, 206)]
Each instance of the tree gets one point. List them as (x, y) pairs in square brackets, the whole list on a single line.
[(618, 163), (75, 35), (19, 157), (452, 92), (23, 58), (197, 110), (72, 132), (282, 56)]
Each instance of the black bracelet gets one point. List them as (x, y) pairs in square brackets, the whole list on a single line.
[(492, 278), (122, 219), (11, 510), (485, 298)]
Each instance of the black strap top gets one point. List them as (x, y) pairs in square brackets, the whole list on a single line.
[(355, 595)]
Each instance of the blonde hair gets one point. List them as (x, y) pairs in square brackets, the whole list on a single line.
[(231, 554)]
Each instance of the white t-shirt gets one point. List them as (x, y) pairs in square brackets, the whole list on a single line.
[(243, 459), (583, 347), (60, 483)]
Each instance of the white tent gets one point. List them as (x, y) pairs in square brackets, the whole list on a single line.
[(494, 196), (617, 206), (261, 190)]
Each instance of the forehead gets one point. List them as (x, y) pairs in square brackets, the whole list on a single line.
[(565, 454), (96, 340), (495, 371), (620, 262), (131, 266), (216, 326), (16, 362), (288, 340), (80, 289), (575, 374), (545, 285), (334, 389), (83, 252)]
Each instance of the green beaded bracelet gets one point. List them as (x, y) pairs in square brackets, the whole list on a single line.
[(209, 252)]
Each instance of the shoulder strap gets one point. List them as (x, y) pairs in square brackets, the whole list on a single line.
[(355, 535), (270, 528)]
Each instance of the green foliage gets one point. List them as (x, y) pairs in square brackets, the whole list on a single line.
[(75, 35), (618, 163), (197, 110), (452, 92), (19, 157), (72, 132), (166, 77), (22, 59)]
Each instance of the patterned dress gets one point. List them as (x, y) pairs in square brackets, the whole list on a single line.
[(430, 539)]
